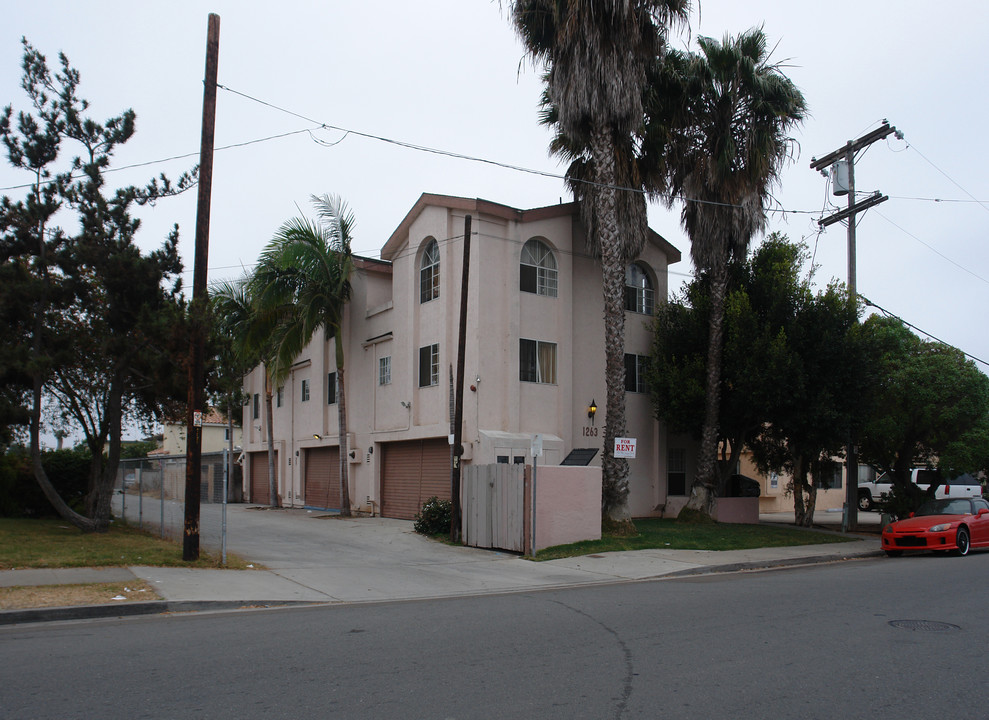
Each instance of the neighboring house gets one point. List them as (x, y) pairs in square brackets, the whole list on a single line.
[(776, 495), (534, 363), (216, 435)]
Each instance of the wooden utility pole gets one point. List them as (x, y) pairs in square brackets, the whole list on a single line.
[(458, 413), (198, 308), (847, 154)]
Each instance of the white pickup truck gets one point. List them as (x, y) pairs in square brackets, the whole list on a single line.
[(964, 486)]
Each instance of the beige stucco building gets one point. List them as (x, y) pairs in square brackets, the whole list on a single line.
[(534, 362), (215, 435)]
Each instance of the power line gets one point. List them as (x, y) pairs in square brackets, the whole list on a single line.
[(168, 159), (887, 313), (474, 158), (984, 205), (933, 249)]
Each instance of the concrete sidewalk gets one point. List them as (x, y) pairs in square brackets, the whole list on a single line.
[(313, 557)]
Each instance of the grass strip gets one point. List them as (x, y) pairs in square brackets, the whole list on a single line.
[(655, 533), (41, 596), (53, 543)]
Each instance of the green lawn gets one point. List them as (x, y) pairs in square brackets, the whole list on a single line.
[(53, 543), (656, 533)]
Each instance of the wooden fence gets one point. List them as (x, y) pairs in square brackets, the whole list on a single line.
[(493, 502)]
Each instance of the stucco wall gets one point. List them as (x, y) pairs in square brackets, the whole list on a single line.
[(568, 505)]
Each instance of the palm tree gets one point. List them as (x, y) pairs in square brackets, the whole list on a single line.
[(718, 133), (253, 331), (308, 265), (597, 53)]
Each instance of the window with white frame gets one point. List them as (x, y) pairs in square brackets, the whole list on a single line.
[(305, 390), (384, 370), (639, 291), (537, 361), (635, 373), (676, 472), (537, 269), (331, 388), (429, 273), (429, 365), (256, 409)]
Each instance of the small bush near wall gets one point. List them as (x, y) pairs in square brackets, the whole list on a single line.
[(20, 494), (434, 518)]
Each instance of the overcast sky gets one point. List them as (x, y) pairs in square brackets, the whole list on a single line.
[(450, 75)]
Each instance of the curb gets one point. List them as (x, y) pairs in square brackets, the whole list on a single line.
[(159, 607), (770, 564), (93, 612)]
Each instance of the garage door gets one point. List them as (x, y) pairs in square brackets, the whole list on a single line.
[(411, 472), (322, 489), (259, 477)]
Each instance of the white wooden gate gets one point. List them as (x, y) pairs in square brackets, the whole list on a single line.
[(493, 506)]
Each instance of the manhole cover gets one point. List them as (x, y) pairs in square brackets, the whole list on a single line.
[(924, 625)]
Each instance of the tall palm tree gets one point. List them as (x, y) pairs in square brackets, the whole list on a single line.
[(309, 265), (596, 54), (254, 331), (719, 134)]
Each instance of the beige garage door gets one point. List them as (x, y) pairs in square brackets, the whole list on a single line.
[(411, 472), (259, 477), (322, 489)]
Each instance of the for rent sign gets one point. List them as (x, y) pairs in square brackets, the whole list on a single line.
[(624, 447)]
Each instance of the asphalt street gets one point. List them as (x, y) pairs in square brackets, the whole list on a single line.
[(871, 638)]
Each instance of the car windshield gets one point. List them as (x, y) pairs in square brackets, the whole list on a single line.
[(945, 507)]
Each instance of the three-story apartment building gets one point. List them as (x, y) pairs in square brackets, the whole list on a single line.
[(534, 363)]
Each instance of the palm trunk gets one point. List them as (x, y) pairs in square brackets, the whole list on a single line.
[(269, 414), (344, 445), (230, 447), (614, 489), (703, 489)]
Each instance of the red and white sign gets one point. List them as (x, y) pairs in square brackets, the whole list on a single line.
[(624, 447)]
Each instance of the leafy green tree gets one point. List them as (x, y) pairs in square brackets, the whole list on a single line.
[(308, 265), (720, 142), (596, 56), (98, 306), (931, 407), (826, 393), (794, 378)]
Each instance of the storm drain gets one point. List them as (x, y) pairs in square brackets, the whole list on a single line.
[(923, 625)]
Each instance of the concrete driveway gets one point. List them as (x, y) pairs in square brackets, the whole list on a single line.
[(319, 557)]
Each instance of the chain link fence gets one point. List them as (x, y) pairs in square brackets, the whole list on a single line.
[(150, 493)]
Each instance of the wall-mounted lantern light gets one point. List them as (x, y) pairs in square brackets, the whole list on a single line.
[(317, 436), (591, 410)]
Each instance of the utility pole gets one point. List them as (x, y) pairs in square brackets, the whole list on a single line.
[(198, 308), (843, 160), (458, 413)]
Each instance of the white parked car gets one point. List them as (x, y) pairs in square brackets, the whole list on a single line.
[(963, 486)]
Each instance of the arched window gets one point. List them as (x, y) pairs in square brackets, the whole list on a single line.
[(639, 292), (429, 273), (537, 269)]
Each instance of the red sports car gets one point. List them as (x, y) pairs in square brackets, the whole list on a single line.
[(959, 525)]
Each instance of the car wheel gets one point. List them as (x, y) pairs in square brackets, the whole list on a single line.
[(865, 502), (894, 553), (962, 542)]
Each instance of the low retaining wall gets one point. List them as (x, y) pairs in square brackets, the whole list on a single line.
[(568, 504)]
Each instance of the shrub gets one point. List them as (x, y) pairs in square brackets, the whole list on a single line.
[(434, 518), (20, 494)]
